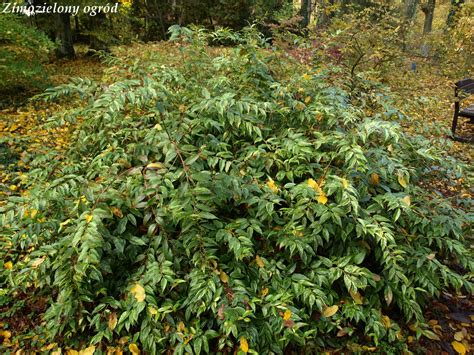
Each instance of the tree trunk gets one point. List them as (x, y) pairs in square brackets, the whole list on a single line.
[(305, 12), (428, 10), (96, 23), (455, 7), (77, 30), (410, 9), (64, 35)]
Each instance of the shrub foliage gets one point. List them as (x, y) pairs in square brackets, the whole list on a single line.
[(229, 200)]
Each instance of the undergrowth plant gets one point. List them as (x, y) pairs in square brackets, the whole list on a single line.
[(230, 200), (23, 50)]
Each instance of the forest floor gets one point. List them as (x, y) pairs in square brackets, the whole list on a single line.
[(451, 317)]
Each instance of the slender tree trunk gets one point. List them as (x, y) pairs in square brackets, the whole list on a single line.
[(96, 23), (428, 10), (455, 7), (77, 30), (410, 9), (305, 12), (64, 35)]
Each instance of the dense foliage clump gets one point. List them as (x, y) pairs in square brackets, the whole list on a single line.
[(229, 200), (22, 51)]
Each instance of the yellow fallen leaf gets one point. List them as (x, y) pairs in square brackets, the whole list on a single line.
[(181, 327), (431, 335), (357, 297), (72, 352), (459, 336), (8, 265), (223, 276), (402, 181), (314, 185), (62, 224), (287, 314), (134, 349), (271, 184), (386, 321), (38, 262), (376, 277), (330, 311), (7, 335), (406, 200), (322, 198), (112, 321), (88, 351), (89, 218), (298, 233), (345, 183), (244, 345), (259, 261), (307, 100), (431, 256), (374, 179), (155, 166), (399, 335), (117, 212), (459, 347), (265, 292), (138, 292)]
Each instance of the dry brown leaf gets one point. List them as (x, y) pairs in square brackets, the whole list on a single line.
[(112, 321), (374, 179), (357, 297)]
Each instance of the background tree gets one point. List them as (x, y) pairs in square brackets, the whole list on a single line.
[(305, 12), (455, 6), (428, 8), (410, 9), (64, 37)]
